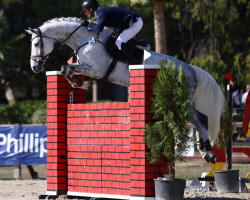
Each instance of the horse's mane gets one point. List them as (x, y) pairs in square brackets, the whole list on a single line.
[(70, 19), (64, 19)]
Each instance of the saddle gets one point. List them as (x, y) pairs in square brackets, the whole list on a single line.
[(135, 45)]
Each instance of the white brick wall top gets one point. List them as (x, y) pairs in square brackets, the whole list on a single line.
[(53, 73), (144, 67)]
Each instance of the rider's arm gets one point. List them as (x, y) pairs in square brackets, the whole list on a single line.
[(101, 19)]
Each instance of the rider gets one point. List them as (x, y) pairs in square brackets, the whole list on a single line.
[(130, 22)]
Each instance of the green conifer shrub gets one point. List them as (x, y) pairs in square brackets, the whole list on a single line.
[(167, 136)]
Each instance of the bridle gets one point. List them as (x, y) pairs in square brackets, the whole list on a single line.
[(91, 40), (43, 57)]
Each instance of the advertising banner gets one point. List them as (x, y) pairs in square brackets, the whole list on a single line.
[(23, 145)]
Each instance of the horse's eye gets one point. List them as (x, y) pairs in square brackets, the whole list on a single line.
[(36, 44)]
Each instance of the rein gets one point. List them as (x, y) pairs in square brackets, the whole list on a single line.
[(41, 36), (41, 45), (91, 40)]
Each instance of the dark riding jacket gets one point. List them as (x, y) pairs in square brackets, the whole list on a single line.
[(113, 17)]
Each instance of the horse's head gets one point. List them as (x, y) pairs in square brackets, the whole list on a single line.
[(41, 47)]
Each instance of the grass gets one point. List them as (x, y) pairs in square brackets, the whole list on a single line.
[(7, 172), (184, 170), (191, 169)]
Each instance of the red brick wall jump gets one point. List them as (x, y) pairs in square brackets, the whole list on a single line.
[(98, 148)]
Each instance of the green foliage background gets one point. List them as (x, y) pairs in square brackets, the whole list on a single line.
[(24, 112), (212, 34)]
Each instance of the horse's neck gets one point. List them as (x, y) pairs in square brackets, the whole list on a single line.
[(63, 29)]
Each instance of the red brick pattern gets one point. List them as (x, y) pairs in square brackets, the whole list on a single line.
[(58, 90), (98, 148), (142, 172)]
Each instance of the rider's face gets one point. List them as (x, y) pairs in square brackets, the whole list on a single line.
[(87, 13)]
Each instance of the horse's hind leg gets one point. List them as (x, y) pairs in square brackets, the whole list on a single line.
[(200, 122), (74, 80)]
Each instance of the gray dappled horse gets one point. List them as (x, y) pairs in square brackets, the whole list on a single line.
[(207, 99)]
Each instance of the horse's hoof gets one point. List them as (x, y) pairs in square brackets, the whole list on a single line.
[(63, 69), (86, 86), (89, 87), (210, 157)]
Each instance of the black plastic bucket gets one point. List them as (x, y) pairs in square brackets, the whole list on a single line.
[(227, 181), (169, 189)]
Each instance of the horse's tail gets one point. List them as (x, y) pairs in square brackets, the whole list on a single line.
[(209, 100)]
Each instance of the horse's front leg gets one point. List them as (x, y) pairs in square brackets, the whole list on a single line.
[(74, 80)]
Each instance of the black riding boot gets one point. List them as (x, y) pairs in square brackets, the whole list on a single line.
[(127, 52)]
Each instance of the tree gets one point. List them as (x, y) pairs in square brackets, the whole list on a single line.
[(195, 30), (216, 28), (7, 39), (159, 24), (167, 136), (159, 27), (15, 72)]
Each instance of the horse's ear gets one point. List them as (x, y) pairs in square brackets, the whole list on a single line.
[(31, 30), (28, 31)]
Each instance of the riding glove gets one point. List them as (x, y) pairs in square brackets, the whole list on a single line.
[(85, 23)]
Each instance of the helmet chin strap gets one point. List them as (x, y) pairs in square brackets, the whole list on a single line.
[(92, 13)]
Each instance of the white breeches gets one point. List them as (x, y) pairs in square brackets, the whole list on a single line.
[(129, 33)]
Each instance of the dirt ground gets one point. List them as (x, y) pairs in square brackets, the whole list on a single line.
[(28, 189), (31, 189)]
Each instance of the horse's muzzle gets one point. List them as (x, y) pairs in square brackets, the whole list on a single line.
[(37, 68), (37, 65)]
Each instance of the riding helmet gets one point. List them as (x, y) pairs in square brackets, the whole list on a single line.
[(87, 4)]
